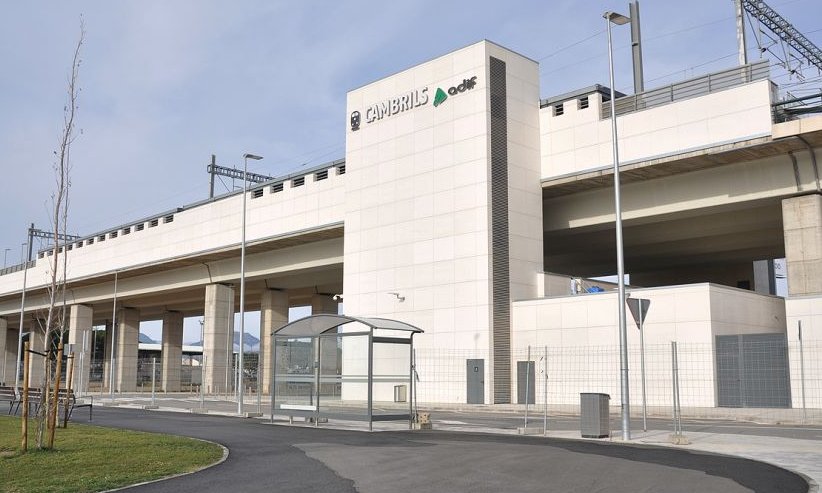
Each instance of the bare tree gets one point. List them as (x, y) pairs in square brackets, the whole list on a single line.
[(55, 320)]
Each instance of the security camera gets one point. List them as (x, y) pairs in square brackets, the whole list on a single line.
[(397, 295), (337, 297)]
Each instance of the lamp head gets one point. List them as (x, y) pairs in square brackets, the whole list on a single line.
[(616, 18), (252, 156)]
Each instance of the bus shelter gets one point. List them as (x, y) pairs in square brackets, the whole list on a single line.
[(342, 367)]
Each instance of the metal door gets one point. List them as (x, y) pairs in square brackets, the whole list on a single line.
[(752, 371), (475, 381), (523, 379), (728, 374)]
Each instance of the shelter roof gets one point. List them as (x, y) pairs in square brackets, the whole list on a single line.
[(315, 325)]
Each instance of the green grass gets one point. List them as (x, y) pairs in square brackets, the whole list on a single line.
[(91, 458)]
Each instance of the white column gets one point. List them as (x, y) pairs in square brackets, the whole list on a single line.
[(218, 330), (108, 340), (172, 350), (80, 322), (128, 340), (37, 338), (4, 353), (273, 315), (802, 227), (323, 303)]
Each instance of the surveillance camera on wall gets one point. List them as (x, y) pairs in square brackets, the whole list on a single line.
[(337, 297)]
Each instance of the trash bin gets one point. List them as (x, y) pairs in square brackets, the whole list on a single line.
[(594, 419)]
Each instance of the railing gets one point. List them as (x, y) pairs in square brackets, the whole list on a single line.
[(700, 86), (16, 268), (793, 108)]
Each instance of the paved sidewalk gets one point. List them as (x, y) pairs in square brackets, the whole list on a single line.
[(797, 455)]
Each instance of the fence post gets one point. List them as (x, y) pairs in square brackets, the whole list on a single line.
[(24, 443), (153, 376), (802, 373), (259, 382), (545, 390), (202, 381), (69, 383), (677, 437), (527, 383)]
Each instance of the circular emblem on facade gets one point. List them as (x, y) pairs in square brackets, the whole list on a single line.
[(355, 121)]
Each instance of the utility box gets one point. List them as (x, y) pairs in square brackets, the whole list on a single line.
[(594, 419)]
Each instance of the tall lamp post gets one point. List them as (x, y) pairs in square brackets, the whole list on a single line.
[(246, 157), (619, 19)]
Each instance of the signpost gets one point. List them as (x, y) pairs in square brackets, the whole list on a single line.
[(639, 308)]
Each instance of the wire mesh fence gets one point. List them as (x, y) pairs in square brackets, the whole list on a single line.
[(739, 377)]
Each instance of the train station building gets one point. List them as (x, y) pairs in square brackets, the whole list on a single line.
[(468, 206)]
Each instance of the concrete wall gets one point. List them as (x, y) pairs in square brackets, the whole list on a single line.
[(578, 140), (581, 334), (807, 311)]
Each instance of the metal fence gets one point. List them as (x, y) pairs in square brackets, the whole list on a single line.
[(737, 377), (700, 86)]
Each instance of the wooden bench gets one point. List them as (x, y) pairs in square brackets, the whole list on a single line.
[(7, 393)]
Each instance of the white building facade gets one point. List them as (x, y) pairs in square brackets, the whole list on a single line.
[(472, 209)]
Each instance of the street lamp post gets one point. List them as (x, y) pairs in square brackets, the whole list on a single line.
[(246, 157), (619, 19)]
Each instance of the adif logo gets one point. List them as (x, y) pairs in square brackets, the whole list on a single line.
[(467, 84), (439, 97)]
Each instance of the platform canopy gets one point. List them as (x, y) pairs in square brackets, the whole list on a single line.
[(314, 325)]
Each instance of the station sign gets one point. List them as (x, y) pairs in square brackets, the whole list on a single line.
[(407, 101)]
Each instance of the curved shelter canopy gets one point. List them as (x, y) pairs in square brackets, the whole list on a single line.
[(315, 325), (328, 366)]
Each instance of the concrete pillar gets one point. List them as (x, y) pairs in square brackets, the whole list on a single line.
[(37, 342), (764, 276), (5, 354), (802, 226), (327, 351), (80, 321), (273, 315), (172, 350), (323, 303), (218, 338), (108, 342), (127, 341)]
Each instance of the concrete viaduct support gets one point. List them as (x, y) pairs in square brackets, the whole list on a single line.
[(802, 224), (172, 350), (323, 303), (8, 352), (108, 343), (128, 335), (37, 342), (273, 315), (218, 338), (80, 322)]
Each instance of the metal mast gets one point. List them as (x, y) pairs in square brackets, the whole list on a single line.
[(782, 28)]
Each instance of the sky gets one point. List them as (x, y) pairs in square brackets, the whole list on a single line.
[(166, 84)]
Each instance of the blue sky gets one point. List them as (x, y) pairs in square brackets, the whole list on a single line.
[(166, 84)]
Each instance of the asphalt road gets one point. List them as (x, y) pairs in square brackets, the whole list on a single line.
[(278, 458)]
